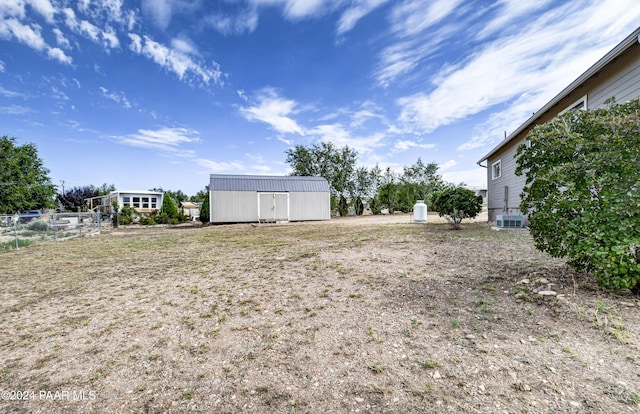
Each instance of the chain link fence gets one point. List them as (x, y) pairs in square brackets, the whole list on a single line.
[(18, 231)]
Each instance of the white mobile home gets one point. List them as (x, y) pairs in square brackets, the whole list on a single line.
[(259, 198), (142, 201)]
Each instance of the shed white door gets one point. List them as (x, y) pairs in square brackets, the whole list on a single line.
[(273, 206)]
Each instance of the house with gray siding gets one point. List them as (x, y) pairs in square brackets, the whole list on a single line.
[(260, 198), (616, 75)]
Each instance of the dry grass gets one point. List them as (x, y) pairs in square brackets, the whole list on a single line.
[(337, 317)]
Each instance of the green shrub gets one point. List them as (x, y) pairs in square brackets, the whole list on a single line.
[(12, 244), (38, 225), (128, 215), (456, 204), (581, 192)]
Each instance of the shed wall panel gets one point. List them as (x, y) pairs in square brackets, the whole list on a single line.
[(233, 206), (309, 206)]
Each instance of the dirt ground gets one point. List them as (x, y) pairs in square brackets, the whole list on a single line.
[(366, 314)]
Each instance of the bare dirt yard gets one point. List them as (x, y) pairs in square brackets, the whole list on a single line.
[(360, 315)]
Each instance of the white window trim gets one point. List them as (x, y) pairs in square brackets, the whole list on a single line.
[(582, 100), (493, 169)]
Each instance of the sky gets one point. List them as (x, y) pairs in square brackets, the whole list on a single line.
[(162, 93)]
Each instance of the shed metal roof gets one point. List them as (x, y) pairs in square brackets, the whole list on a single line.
[(266, 183)]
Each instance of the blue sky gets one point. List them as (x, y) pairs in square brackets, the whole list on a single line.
[(162, 93)]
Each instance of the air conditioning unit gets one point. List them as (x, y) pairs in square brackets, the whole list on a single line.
[(509, 221)]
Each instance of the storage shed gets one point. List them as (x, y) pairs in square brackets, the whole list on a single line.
[(259, 198)]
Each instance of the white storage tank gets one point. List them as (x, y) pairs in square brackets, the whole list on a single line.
[(420, 212)]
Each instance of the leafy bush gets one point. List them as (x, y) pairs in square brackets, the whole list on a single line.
[(582, 191), (128, 215), (169, 206), (38, 225), (456, 204)]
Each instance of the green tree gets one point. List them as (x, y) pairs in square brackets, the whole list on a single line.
[(362, 188), (387, 192), (74, 199), (24, 182), (336, 165), (456, 204), (420, 181), (582, 191), (169, 207), (105, 189)]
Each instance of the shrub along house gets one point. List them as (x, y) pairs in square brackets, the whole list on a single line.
[(616, 75), (259, 198)]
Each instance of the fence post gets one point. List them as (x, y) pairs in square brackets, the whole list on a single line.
[(79, 225), (15, 229), (55, 227)]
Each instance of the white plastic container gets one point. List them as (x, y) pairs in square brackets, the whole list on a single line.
[(420, 212)]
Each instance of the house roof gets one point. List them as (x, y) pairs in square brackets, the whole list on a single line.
[(593, 70), (136, 192), (265, 183), (188, 204)]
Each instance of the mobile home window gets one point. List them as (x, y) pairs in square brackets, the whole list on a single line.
[(496, 170), (145, 202), (126, 200), (153, 202), (136, 202)]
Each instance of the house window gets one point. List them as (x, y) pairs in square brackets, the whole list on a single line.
[(136, 202), (578, 105), (126, 200), (154, 202), (145, 202), (496, 170)]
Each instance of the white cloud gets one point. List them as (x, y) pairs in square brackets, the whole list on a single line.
[(159, 11), (355, 12), (136, 43), (404, 145), (116, 97), (341, 136), (2, 66), (175, 60), (30, 35), (61, 40), (411, 17), (11, 94), (245, 21), (288, 142), (168, 140), (57, 54), (510, 11), (184, 45), (447, 165), (15, 110), (43, 8), (275, 111), (539, 57), (109, 11), (109, 38), (221, 167), (12, 9)]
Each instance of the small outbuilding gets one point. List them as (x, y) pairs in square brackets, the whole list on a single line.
[(259, 198)]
